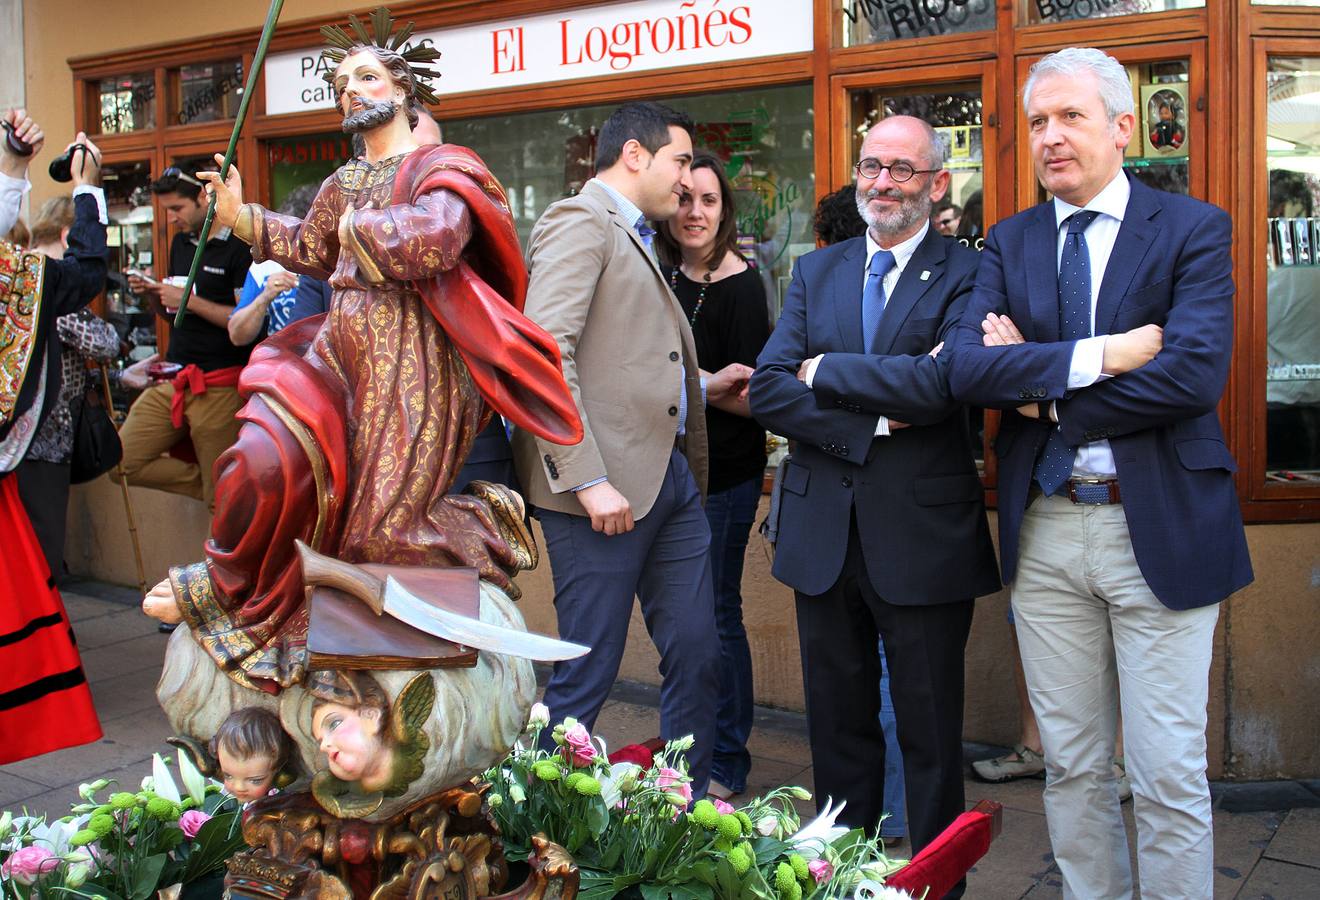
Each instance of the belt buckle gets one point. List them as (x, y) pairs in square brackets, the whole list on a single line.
[(1093, 488)]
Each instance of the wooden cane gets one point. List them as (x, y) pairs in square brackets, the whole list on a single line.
[(123, 485)]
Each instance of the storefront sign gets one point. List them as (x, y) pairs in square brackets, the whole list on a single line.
[(603, 40)]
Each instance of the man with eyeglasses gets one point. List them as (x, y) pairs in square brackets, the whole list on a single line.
[(946, 218), (197, 394), (882, 530)]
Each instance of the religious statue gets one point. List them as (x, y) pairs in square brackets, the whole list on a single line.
[(355, 426)]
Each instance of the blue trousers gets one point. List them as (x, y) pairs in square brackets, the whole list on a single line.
[(731, 514), (664, 561), (895, 790)]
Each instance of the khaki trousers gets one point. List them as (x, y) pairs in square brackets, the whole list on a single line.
[(1091, 631), (148, 434)]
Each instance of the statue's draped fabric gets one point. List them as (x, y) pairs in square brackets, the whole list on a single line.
[(357, 423)]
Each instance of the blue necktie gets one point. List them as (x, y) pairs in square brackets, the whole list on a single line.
[(644, 231), (873, 295), (1056, 458)]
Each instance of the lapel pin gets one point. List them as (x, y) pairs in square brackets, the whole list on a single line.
[(925, 274)]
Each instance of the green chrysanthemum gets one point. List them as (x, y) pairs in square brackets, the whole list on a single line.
[(785, 880), (729, 828), (746, 821), (546, 770), (740, 859), (588, 787), (104, 809), (799, 867), (705, 814), (101, 825), (82, 838), (160, 808), (795, 892), (123, 800)]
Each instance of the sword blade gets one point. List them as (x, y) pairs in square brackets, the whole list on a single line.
[(413, 610)]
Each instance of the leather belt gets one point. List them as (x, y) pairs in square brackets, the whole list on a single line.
[(1094, 491)]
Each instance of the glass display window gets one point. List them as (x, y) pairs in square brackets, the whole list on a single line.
[(298, 165), (765, 138), (130, 237), (1292, 282), (878, 21), (127, 103), (1162, 141), (205, 92), (1050, 12)]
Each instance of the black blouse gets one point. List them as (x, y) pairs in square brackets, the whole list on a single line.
[(732, 325)]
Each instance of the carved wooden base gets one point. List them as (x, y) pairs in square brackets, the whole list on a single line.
[(447, 847)]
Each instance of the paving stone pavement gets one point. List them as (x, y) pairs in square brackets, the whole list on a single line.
[(1267, 837)]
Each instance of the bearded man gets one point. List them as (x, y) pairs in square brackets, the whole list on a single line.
[(358, 421), (882, 528)]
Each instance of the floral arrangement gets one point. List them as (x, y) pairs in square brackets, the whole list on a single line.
[(635, 829), (126, 847)]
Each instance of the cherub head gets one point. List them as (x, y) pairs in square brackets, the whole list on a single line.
[(251, 748), (350, 720)]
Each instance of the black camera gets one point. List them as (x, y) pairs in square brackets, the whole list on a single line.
[(61, 167)]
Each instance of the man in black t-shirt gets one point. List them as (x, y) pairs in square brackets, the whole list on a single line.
[(198, 396)]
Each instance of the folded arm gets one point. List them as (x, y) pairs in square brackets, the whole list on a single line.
[(407, 241)]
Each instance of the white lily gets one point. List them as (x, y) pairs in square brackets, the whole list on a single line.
[(622, 778), (871, 890), (162, 782), (812, 838), (193, 780)]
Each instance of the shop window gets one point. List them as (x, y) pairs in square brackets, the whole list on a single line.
[(1285, 2), (878, 21), (206, 92), (1161, 142), (129, 236), (764, 137), (1049, 12), (127, 102), (1292, 375), (298, 165), (955, 113)]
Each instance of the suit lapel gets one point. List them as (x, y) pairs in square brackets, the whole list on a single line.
[(845, 294), (1135, 237), (1041, 247), (602, 196), (929, 258)]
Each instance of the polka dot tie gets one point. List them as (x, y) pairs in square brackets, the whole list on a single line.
[(873, 295), (1056, 458)]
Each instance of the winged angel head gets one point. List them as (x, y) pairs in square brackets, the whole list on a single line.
[(371, 751)]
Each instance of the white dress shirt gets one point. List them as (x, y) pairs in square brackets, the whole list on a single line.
[(11, 198), (1095, 459), (902, 253)]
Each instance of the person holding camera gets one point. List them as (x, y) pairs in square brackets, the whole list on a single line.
[(45, 703), (193, 394)]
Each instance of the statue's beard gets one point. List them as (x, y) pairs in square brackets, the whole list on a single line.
[(372, 115)]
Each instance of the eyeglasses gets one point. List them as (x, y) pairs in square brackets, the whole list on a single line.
[(176, 173), (899, 171)]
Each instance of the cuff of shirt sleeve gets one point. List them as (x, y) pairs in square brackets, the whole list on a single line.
[(22, 185), (586, 484), (882, 427), (811, 374), (98, 195), (1088, 358)]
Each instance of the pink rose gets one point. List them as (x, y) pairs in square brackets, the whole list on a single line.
[(820, 870), (578, 748), (28, 863), (192, 821), (671, 780), (724, 809)]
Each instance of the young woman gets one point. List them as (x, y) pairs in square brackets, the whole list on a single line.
[(724, 300)]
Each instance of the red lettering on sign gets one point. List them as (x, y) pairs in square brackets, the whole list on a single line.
[(743, 22), (507, 52), (563, 45)]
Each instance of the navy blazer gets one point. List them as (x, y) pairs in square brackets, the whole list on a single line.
[(1172, 266), (919, 505)]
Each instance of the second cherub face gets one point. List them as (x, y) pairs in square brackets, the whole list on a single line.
[(247, 779)]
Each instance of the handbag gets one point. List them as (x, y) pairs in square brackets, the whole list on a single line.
[(96, 446)]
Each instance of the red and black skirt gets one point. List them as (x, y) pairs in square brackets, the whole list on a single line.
[(45, 703)]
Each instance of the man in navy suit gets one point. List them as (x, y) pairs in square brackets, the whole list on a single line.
[(1102, 322), (882, 528)]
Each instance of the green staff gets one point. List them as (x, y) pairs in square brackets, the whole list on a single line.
[(257, 60)]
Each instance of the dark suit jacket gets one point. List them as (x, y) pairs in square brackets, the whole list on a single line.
[(918, 500), (1171, 266)]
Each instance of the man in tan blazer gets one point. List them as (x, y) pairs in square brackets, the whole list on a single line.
[(621, 510)]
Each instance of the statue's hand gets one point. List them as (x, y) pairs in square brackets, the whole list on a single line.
[(160, 604), (228, 193)]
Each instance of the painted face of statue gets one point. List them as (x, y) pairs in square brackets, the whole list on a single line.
[(352, 742), (249, 778), (368, 95)]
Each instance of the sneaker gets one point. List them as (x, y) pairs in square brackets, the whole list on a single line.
[(1124, 783), (1023, 762)]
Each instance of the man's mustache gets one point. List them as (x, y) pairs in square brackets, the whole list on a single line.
[(892, 194)]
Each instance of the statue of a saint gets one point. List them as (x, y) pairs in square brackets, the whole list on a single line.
[(357, 422)]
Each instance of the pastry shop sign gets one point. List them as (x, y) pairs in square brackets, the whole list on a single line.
[(586, 43)]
